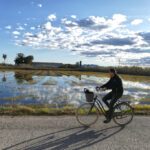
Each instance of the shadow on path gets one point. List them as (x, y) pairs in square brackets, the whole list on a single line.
[(72, 138)]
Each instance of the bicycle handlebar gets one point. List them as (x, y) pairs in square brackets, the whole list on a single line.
[(100, 89), (85, 89)]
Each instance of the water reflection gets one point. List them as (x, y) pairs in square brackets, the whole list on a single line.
[(50, 87), (4, 79), (23, 77)]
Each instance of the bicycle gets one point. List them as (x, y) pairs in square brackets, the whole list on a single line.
[(88, 113)]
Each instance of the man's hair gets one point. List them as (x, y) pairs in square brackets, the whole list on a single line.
[(113, 70)]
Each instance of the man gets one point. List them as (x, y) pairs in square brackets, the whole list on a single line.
[(115, 84)]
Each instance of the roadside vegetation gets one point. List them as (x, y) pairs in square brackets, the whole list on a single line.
[(37, 110)]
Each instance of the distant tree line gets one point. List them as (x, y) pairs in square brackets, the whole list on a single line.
[(131, 70), (77, 65), (21, 59)]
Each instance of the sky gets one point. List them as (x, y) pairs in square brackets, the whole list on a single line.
[(102, 32)]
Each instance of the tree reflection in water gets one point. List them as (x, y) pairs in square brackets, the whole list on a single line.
[(22, 77), (4, 79)]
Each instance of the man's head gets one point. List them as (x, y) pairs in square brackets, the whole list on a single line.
[(112, 72)]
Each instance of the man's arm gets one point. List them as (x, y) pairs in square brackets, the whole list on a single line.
[(107, 85)]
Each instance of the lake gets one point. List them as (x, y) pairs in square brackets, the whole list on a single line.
[(64, 87)]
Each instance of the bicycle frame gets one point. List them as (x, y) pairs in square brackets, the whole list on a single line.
[(98, 104)]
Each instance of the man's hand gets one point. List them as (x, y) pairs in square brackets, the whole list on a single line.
[(103, 89), (98, 88)]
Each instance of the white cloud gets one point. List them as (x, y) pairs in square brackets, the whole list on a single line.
[(40, 5), (73, 16), (136, 22), (94, 36), (20, 28), (119, 18), (52, 17), (47, 26), (32, 28), (8, 27), (16, 37), (16, 32), (28, 34)]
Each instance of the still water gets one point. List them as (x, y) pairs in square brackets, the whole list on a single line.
[(62, 88)]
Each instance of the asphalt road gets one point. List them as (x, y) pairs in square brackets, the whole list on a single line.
[(64, 133)]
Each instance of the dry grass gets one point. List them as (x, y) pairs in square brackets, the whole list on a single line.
[(48, 110), (36, 110)]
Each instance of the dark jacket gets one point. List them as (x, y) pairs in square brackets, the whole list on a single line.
[(115, 84)]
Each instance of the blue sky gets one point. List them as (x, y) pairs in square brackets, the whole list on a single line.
[(98, 32)]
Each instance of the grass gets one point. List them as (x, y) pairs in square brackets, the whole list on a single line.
[(34, 110), (142, 109)]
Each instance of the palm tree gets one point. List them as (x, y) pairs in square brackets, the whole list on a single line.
[(4, 57)]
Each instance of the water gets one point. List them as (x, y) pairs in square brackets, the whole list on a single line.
[(62, 88)]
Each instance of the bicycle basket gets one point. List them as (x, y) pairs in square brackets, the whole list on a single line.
[(89, 96)]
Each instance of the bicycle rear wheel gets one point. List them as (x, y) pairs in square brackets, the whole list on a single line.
[(87, 114), (123, 113)]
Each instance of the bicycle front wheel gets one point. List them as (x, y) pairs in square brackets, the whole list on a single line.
[(87, 114), (123, 113)]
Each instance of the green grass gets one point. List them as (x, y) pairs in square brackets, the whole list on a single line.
[(20, 110), (142, 109), (36, 110)]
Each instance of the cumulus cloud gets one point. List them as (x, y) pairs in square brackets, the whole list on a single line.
[(8, 27), (20, 28), (146, 36), (136, 22), (94, 36), (32, 28), (39, 5), (73, 16), (115, 41), (25, 24), (52, 17), (16, 32), (119, 18), (47, 26)]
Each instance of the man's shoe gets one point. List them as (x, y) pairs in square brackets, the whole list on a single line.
[(107, 120)]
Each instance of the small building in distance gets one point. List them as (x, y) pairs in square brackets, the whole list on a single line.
[(47, 64)]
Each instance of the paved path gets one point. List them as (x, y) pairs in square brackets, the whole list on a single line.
[(64, 133)]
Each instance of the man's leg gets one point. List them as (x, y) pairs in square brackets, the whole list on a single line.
[(106, 98), (112, 102), (111, 105), (110, 111)]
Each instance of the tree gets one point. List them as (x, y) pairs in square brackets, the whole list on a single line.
[(21, 59), (28, 59), (80, 63), (4, 57)]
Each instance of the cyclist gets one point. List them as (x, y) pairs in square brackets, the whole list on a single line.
[(115, 84)]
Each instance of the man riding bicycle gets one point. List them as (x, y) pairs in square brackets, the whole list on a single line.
[(115, 84)]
